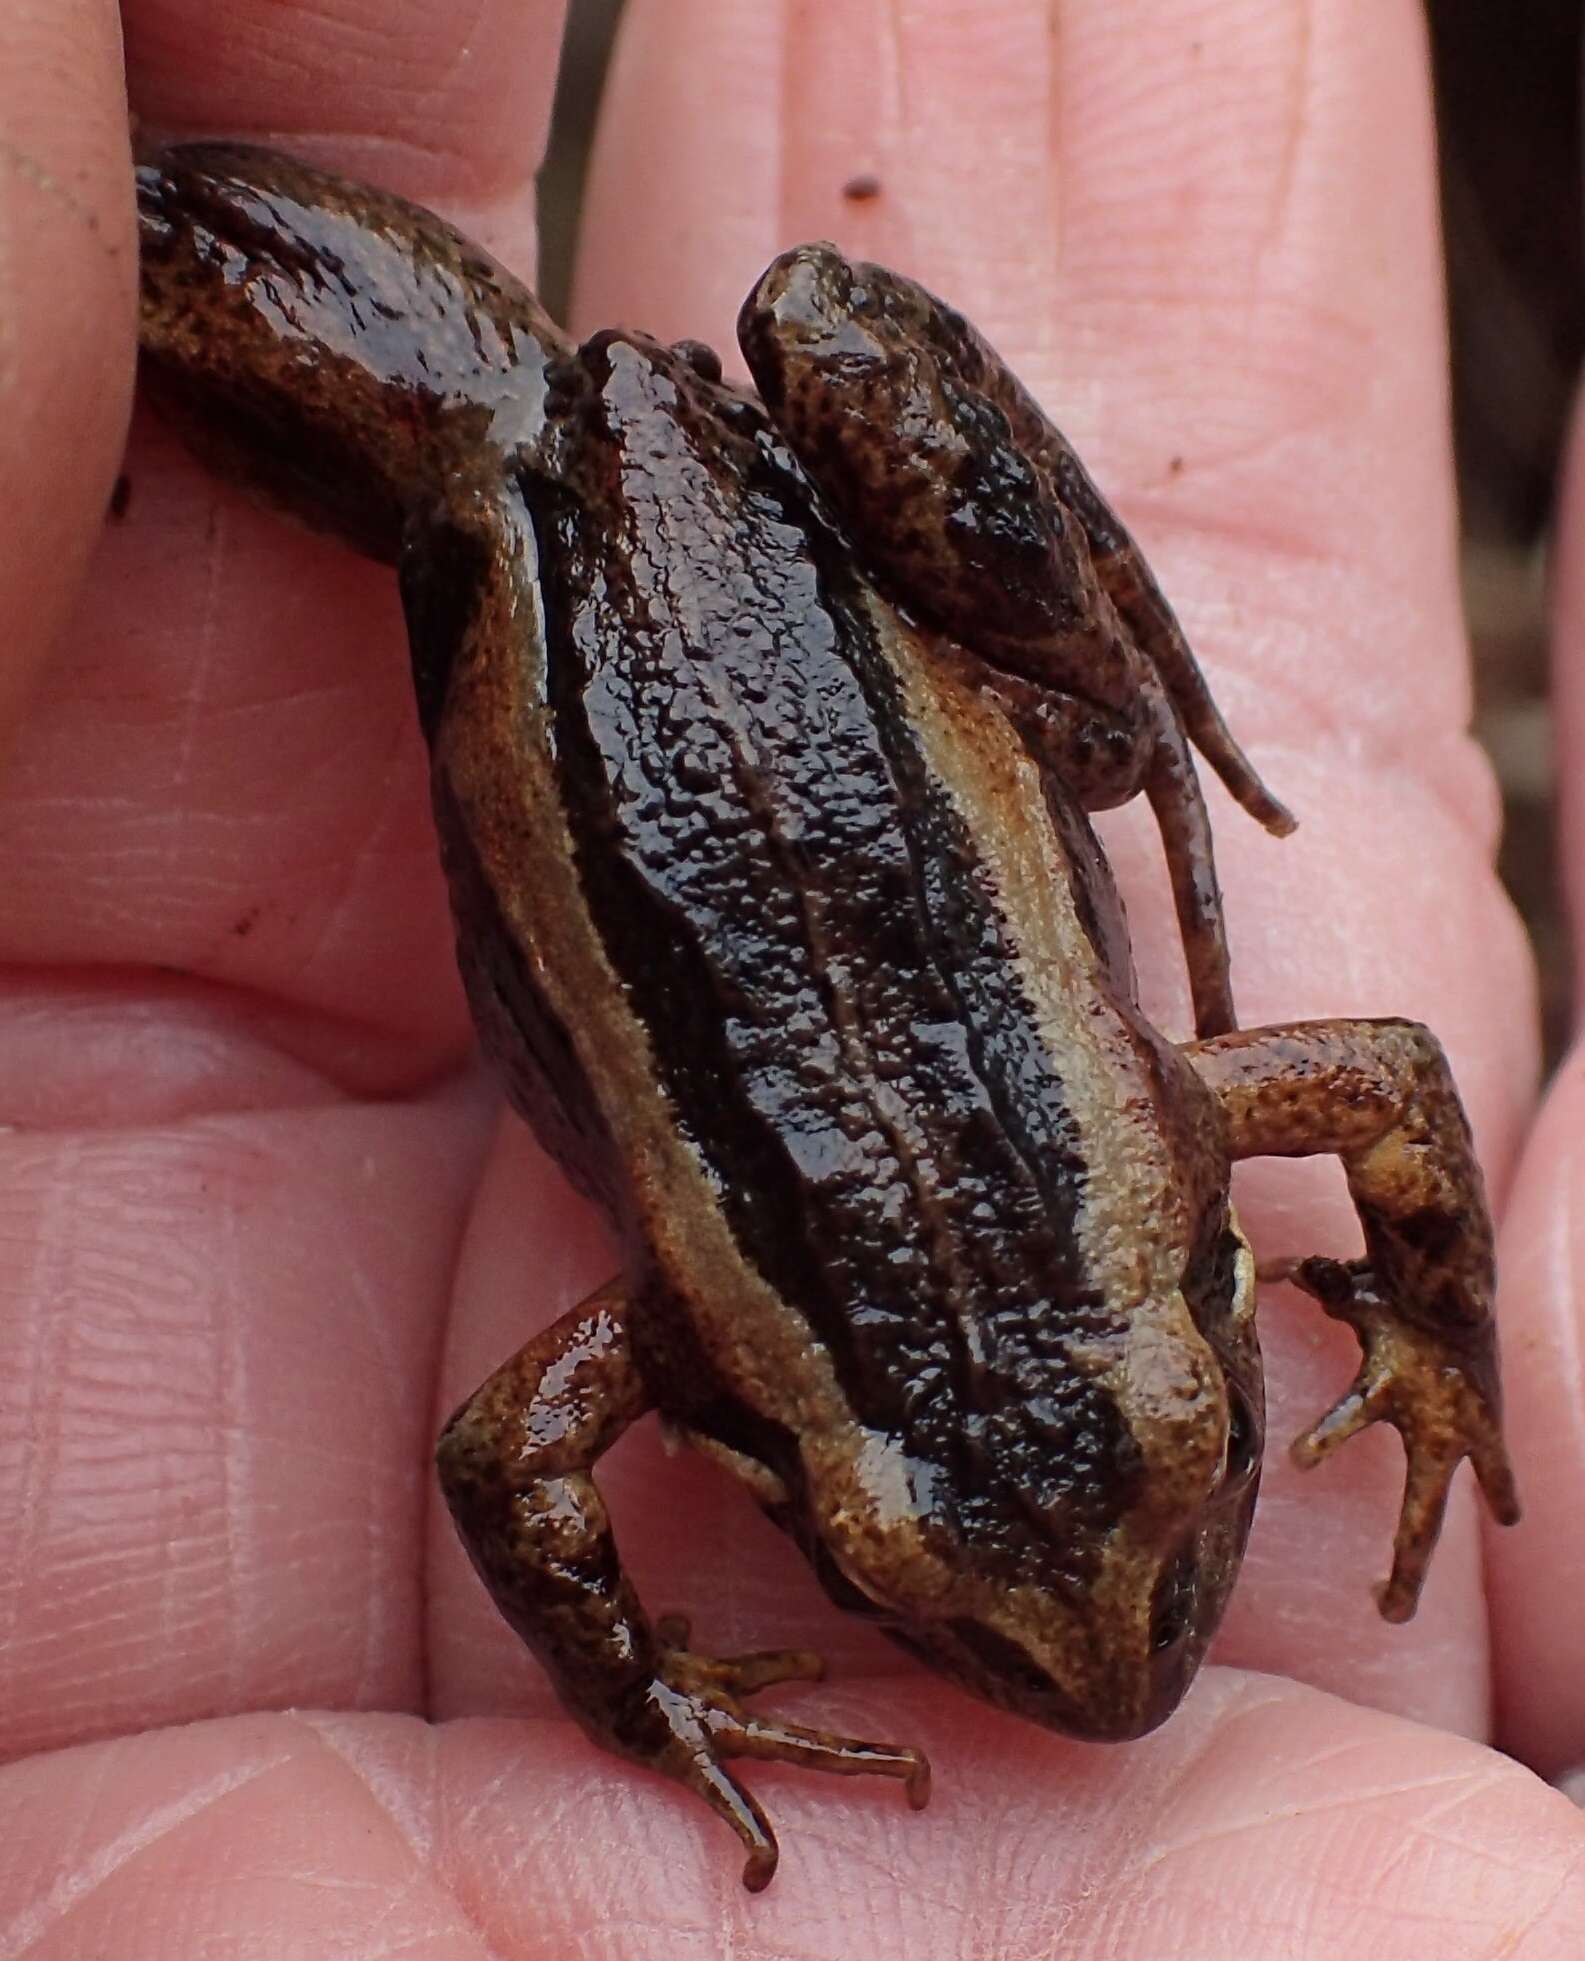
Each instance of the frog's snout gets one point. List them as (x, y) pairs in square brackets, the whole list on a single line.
[(809, 302), (807, 286), (811, 314)]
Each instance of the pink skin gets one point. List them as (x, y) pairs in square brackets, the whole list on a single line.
[(1540, 1702), (251, 1256)]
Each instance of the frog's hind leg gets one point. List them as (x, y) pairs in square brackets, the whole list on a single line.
[(1088, 759), (1131, 586), (515, 1465), (1172, 789)]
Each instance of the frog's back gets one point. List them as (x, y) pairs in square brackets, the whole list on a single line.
[(894, 1089)]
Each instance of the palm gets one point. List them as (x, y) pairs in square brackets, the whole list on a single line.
[(261, 1238)]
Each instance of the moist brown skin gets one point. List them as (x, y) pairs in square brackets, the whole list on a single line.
[(763, 810)]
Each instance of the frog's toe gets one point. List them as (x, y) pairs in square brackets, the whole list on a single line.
[(1494, 1473), (1437, 1394), (703, 1725), (712, 1781), (712, 1686), (1441, 1426), (734, 1675), (1419, 1527), (1387, 1367), (774, 1741), (1366, 1402)]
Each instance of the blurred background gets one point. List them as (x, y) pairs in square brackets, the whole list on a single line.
[(1507, 78)]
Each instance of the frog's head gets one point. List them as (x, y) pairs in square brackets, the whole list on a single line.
[(1110, 1660), (935, 462), (839, 348), (1081, 1595)]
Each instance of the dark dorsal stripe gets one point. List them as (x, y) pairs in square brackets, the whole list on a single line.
[(809, 932)]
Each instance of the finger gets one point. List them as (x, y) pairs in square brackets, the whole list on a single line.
[(229, 1234), (226, 778), (446, 103), (309, 1835), (1538, 1572), (67, 293), (216, 1347), (1209, 240)]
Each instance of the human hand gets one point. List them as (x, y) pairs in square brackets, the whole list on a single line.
[(262, 1240)]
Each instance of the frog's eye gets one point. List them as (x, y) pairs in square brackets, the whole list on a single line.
[(1242, 1442), (1176, 1591), (701, 357)]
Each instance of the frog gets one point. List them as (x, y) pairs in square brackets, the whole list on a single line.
[(766, 727)]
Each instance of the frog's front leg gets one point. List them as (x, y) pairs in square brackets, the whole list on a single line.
[(1379, 1095), (515, 1464)]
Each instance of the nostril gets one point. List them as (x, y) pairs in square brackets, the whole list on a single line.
[(1243, 1440)]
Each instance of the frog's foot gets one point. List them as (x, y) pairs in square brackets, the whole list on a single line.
[(692, 1721), (1441, 1400)]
